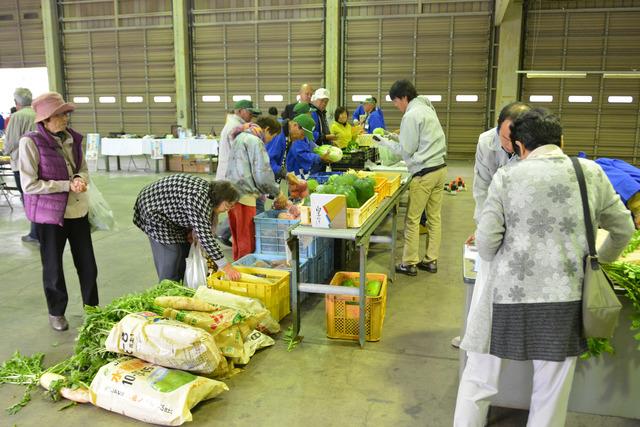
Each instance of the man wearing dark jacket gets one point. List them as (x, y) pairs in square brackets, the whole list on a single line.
[(304, 95)]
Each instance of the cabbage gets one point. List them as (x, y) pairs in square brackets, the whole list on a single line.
[(335, 154), (312, 185), (378, 131)]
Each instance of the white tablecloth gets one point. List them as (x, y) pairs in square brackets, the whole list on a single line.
[(139, 146)]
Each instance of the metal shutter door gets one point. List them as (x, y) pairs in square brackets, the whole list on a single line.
[(22, 42), (120, 49), (592, 37), (443, 47), (254, 49)]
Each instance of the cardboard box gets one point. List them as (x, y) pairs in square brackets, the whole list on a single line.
[(175, 163), (328, 211)]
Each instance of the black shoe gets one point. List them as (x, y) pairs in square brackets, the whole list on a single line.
[(224, 241), (28, 239), (431, 266), (409, 270), (58, 323)]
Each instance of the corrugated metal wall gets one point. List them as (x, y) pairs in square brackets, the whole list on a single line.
[(595, 35), (117, 49), (444, 47), (254, 49), (22, 42)]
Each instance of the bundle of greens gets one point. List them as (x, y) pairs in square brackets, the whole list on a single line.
[(627, 276), (90, 353)]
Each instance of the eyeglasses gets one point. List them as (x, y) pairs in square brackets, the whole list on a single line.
[(61, 115)]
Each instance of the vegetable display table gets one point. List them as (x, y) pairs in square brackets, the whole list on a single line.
[(603, 385), (156, 148), (362, 237)]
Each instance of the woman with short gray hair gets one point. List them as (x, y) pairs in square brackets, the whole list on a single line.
[(532, 232)]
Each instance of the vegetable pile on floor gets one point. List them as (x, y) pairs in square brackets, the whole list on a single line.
[(224, 328)]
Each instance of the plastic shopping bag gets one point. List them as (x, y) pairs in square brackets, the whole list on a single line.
[(196, 272), (100, 213)]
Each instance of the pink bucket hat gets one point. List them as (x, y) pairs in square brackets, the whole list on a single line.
[(49, 104)]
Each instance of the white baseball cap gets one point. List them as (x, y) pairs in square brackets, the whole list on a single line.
[(321, 93)]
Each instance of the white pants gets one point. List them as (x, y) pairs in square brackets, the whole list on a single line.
[(479, 383)]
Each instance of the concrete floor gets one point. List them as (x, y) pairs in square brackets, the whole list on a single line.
[(409, 378)]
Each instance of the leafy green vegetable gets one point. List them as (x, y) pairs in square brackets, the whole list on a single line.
[(378, 131), (364, 190), (633, 244), (90, 353), (291, 341), (312, 185), (350, 194)]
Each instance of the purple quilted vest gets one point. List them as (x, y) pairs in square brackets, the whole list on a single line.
[(49, 208)]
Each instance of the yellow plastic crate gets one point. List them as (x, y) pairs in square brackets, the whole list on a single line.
[(355, 217), (365, 140), (343, 311), (393, 179), (274, 296)]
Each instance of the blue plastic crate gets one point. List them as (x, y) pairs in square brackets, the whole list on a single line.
[(323, 177), (304, 269), (272, 234), (321, 266)]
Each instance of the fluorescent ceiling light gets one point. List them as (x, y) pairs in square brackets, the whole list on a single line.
[(580, 98), (210, 98), (556, 74), (134, 99), (436, 98), (621, 75), (107, 100), (359, 98), (161, 99), (541, 98), (467, 98), (81, 99), (620, 99), (273, 98), (387, 98), (237, 98)]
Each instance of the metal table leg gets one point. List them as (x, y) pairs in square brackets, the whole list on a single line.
[(362, 333), (394, 236), (293, 244), (106, 163), (118, 162)]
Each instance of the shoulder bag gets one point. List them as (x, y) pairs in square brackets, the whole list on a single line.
[(600, 305)]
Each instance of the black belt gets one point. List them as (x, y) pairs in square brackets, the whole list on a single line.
[(429, 170)]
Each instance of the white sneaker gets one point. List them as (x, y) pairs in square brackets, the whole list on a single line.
[(455, 342)]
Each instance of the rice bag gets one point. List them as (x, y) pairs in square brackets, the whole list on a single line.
[(252, 343), (151, 393), (164, 342), (243, 304)]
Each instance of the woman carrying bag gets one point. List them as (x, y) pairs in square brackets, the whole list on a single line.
[(532, 233), (54, 179)]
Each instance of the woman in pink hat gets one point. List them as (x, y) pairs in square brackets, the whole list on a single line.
[(54, 180)]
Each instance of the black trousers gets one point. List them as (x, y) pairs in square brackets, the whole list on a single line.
[(170, 260), (53, 239)]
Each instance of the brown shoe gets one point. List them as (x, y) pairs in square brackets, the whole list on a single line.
[(430, 266), (58, 323)]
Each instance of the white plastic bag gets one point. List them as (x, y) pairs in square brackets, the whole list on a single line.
[(100, 213), (196, 272), (151, 393)]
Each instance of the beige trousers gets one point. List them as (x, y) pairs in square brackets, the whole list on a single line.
[(425, 193)]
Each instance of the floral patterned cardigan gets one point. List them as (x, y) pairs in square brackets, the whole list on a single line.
[(531, 230)]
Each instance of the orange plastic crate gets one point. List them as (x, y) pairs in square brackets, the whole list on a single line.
[(274, 296), (343, 311)]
